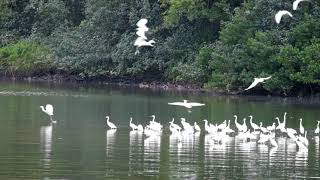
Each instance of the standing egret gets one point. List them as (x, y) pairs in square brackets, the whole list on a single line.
[(301, 129), (197, 127), (279, 15), (186, 104), (316, 131), (177, 127), (133, 126), (110, 124), (256, 81), (253, 125), (48, 110)]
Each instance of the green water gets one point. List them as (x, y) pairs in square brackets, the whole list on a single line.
[(79, 146)]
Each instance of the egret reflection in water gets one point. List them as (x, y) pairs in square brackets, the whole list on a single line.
[(46, 145)]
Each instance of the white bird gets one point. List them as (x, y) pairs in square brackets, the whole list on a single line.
[(244, 125), (110, 124), (301, 129), (296, 3), (253, 125), (197, 127), (186, 104), (291, 131), (238, 125), (133, 126), (263, 129), (177, 127), (272, 128), (142, 42), (142, 28), (316, 131), (48, 110), (256, 81), (228, 129), (279, 15)]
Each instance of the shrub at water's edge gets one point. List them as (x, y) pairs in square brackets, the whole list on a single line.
[(24, 58)]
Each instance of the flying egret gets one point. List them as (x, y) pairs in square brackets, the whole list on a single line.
[(296, 3), (141, 32), (142, 42), (142, 28), (186, 104), (110, 124), (316, 131), (48, 110), (256, 81), (279, 15)]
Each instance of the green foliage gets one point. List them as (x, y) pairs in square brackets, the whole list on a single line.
[(219, 44), (24, 58)]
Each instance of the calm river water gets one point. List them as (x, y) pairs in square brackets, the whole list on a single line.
[(79, 146)]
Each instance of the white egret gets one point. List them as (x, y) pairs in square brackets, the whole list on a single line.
[(48, 110), (316, 131), (301, 129), (238, 125), (304, 139), (197, 127), (186, 104), (142, 28), (222, 125), (256, 81), (263, 129), (244, 125), (301, 146), (133, 126), (282, 126), (272, 128), (291, 131), (142, 42), (177, 127), (228, 129), (110, 124), (296, 3), (279, 15), (253, 125)]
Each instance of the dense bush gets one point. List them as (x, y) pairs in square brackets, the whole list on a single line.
[(221, 44), (24, 58)]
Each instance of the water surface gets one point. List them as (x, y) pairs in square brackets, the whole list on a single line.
[(80, 147)]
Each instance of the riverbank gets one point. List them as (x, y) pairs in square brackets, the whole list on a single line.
[(131, 82)]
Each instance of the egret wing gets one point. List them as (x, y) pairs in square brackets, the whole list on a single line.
[(49, 109), (142, 22), (177, 103), (196, 104), (255, 82)]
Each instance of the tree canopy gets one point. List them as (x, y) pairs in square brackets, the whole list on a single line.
[(220, 45)]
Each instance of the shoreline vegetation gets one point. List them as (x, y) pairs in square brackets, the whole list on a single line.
[(144, 84), (201, 45)]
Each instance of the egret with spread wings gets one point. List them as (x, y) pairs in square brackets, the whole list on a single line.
[(186, 104), (256, 81)]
